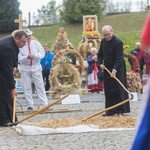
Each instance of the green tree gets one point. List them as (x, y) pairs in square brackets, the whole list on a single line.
[(47, 14), (9, 11), (74, 10)]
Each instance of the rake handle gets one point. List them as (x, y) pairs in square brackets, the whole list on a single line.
[(42, 109), (14, 109), (114, 106)]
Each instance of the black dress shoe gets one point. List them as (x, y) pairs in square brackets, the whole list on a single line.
[(30, 108), (9, 124), (120, 114), (141, 91), (105, 115)]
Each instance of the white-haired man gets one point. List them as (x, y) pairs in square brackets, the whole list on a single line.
[(111, 56)]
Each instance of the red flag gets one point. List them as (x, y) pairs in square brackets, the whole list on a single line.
[(145, 36)]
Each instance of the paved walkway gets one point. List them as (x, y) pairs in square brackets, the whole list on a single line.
[(109, 140)]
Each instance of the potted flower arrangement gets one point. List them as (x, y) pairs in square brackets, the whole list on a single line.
[(134, 82)]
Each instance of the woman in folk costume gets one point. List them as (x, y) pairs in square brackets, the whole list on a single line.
[(94, 83)]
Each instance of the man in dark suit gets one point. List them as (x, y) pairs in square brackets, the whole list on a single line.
[(111, 56), (9, 49)]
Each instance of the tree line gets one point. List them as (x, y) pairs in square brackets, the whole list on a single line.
[(70, 11)]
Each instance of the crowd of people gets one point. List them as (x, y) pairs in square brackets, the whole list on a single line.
[(34, 62)]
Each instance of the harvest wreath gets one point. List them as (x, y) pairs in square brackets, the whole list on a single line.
[(86, 45), (62, 53), (64, 76)]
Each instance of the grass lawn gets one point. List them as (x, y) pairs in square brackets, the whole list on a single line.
[(127, 27)]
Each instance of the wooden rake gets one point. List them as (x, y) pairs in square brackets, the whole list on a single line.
[(14, 109), (42, 109), (114, 106)]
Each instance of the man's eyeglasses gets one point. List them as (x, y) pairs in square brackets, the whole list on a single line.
[(105, 35), (24, 42)]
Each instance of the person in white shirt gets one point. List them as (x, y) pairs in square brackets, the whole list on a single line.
[(31, 71)]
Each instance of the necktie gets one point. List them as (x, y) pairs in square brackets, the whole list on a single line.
[(29, 49)]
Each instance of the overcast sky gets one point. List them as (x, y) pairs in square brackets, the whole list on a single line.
[(32, 5)]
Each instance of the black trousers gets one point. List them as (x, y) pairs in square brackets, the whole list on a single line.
[(6, 102), (45, 74)]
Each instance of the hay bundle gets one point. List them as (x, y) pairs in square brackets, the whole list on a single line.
[(63, 75), (61, 41), (59, 58), (86, 45), (64, 78)]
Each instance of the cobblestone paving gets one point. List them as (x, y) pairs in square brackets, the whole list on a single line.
[(109, 140)]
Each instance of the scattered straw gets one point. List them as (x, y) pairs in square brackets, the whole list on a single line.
[(102, 122)]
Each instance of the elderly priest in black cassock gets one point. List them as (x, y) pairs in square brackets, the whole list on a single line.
[(9, 49), (111, 56)]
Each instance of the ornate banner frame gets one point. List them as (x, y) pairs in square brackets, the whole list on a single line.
[(90, 23)]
